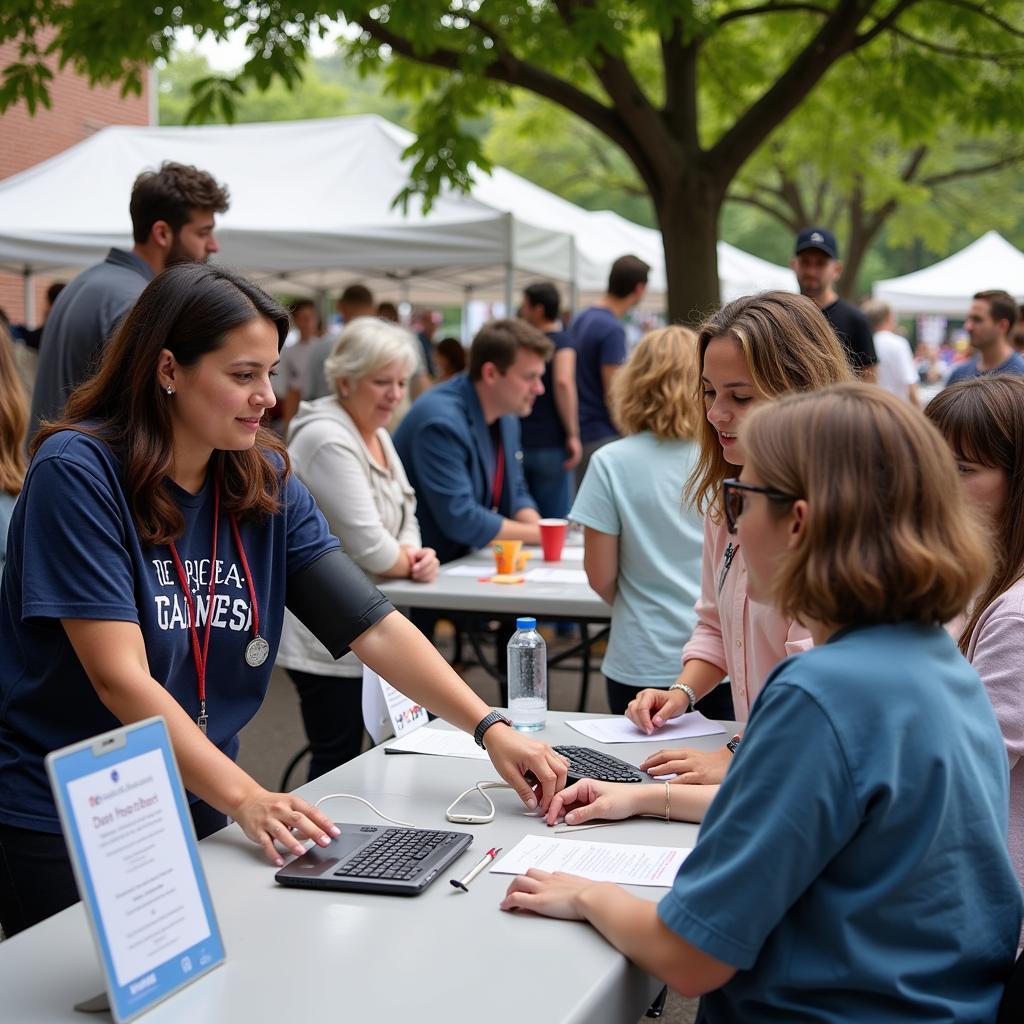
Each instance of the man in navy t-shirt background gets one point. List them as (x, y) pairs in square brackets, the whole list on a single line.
[(600, 342), (551, 433), (990, 320)]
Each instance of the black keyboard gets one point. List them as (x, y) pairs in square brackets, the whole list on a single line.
[(396, 854), (587, 763)]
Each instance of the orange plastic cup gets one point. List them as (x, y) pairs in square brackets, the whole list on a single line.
[(552, 538), (506, 555)]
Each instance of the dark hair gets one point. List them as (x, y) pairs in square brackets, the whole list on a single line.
[(388, 311), (543, 293), (171, 195), (499, 342), (982, 421), (53, 291), (627, 272), (453, 352), (1002, 305), (356, 295), (188, 309)]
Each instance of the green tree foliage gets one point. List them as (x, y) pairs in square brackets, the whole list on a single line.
[(688, 90)]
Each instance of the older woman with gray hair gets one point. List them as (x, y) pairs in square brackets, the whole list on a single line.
[(342, 452)]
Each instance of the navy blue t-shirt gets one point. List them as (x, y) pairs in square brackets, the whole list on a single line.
[(600, 340), (74, 552), (543, 427), (972, 368)]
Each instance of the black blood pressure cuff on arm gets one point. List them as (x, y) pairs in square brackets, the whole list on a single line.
[(335, 601)]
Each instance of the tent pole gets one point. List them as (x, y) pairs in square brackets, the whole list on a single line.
[(574, 287), (323, 304), (464, 315), (29, 296), (510, 264)]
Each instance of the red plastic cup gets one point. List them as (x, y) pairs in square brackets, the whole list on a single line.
[(552, 538)]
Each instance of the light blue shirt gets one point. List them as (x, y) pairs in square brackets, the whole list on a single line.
[(634, 489), (854, 866)]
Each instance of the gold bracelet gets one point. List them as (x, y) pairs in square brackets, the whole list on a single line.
[(667, 791)]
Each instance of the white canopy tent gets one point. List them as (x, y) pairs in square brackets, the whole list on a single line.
[(311, 210), (946, 287)]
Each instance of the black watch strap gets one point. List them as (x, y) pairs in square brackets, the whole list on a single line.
[(485, 723)]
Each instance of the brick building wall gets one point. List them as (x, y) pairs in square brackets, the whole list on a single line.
[(76, 112)]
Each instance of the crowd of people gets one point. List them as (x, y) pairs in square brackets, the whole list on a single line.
[(191, 500)]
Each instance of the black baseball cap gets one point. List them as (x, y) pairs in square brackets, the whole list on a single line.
[(817, 238)]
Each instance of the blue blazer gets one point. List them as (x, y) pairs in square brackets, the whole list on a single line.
[(448, 455)]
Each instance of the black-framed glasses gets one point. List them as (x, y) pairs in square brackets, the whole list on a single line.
[(732, 498)]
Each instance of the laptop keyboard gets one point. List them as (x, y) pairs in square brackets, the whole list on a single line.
[(397, 854), (587, 763)]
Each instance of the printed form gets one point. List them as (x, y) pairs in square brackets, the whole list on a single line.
[(623, 863)]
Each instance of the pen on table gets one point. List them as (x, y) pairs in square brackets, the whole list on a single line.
[(464, 883)]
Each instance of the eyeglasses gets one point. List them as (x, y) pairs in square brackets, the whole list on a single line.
[(732, 498)]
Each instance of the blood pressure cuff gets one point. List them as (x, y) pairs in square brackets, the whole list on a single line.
[(335, 601)]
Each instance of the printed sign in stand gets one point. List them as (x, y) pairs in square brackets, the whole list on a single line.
[(386, 711), (136, 861)]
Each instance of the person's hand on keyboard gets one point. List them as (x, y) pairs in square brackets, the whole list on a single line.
[(588, 799), (267, 818), (514, 755), (691, 767)]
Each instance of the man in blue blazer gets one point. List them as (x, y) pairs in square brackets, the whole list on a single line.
[(459, 444)]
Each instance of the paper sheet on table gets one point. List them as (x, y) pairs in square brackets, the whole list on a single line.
[(474, 571), (625, 863), (622, 730), (556, 576), (442, 742)]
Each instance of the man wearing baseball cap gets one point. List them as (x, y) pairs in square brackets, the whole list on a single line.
[(816, 265)]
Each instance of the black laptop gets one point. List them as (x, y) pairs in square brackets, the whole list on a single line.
[(376, 858)]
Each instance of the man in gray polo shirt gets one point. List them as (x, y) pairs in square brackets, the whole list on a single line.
[(172, 213)]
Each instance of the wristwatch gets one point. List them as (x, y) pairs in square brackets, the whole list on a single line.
[(733, 743), (485, 723), (688, 691)]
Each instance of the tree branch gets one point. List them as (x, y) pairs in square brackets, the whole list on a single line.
[(956, 51), (836, 37), (770, 8), (679, 67), (980, 9), (967, 172), (882, 24), (759, 204)]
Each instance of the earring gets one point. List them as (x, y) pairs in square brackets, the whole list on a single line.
[(170, 390)]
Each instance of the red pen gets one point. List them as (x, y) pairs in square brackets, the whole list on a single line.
[(464, 883)]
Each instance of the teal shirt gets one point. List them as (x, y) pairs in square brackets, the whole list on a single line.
[(634, 489), (854, 865)]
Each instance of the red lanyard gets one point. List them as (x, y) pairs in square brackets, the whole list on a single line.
[(257, 649), (499, 477)]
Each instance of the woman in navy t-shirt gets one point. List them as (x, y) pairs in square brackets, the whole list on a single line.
[(157, 540)]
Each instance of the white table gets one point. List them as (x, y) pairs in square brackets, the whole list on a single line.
[(571, 602), (444, 956), (575, 602)]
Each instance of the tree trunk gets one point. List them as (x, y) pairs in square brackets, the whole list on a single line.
[(688, 214)]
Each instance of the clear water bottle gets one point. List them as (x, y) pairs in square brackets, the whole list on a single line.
[(527, 677)]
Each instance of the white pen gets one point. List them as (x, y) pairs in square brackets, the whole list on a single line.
[(464, 883)]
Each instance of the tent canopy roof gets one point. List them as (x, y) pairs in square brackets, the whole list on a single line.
[(947, 287), (312, 207)]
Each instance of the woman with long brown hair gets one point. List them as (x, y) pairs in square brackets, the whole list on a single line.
[(983, 423), (13, 421), (751, 350), (156, 543)]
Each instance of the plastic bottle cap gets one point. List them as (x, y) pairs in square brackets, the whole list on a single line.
[(526, 622)]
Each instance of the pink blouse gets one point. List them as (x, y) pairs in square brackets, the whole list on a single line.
[(743, 638)]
